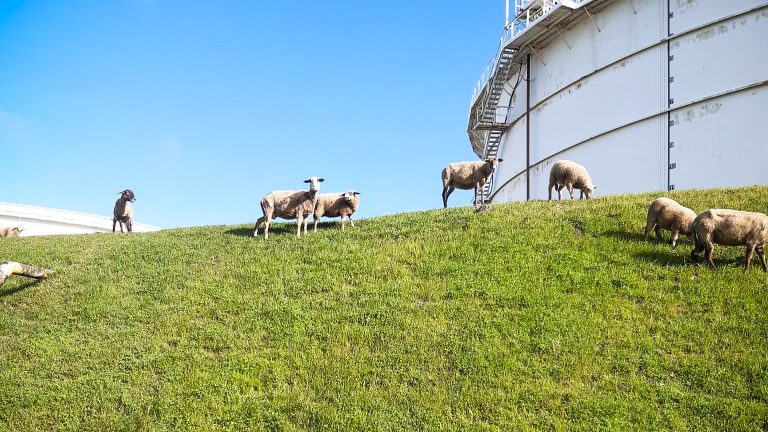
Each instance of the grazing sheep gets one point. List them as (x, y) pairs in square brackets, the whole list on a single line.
[(467, 175), (668, 214), (11, 231), (730, 228), (123, 211), (567, 174), (289, 205), (335, 205)]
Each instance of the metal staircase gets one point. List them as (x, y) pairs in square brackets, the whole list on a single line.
[(486, 116), (492, 141)]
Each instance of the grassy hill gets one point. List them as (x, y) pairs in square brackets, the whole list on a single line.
[(539, 315)]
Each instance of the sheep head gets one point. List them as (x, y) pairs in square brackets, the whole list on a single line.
[(314, 183), (128, 195), (493, 162), (588, 190), (349, 195)]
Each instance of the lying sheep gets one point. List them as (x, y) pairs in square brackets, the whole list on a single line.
[(289, 205), (123, 212), (567, 174), (730, 228), (467, 175), (11, 231), (668, 214), (335, 205)]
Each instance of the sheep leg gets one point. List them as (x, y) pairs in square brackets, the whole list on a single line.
[(129, 225), (560, 191), (298, 225), (447, 191), (648, 226), (581, 194), (342, 221), (266, 226), (114, 222), (256, 228), (675, 235), (121, 227), (570, 189), (748, 257), (708, 255), (10, 268), (314, 222), (305, 219), (659, 235), (761, 254), (549, 191), (351, 222)]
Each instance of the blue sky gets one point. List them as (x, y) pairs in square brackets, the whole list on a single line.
[(203, 107)]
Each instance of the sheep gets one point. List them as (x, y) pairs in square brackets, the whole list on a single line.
[(467, 175), (668, 214), (569, 174), (730, 228), (289, 205), (123, 212), (11, 231), (337, 204)]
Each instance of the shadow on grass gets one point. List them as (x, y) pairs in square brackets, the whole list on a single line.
[(682, 257), (7, 292), (274, 229), (629, 236)]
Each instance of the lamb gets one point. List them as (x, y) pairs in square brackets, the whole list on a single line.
[(123, 211), (668, 214), (730, 228), (335, 205), (289, 205), (467, 175), (569, 174), (11, 231)]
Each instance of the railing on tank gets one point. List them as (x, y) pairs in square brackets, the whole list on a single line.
[(527, 13)]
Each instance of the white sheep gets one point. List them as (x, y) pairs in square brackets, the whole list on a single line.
[(335, 205), (567, 174), (730, 228), (123, 211), (289, 205), (668, 214), (11, 231), (467, 175)]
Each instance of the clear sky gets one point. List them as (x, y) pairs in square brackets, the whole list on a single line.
[(202, 107)]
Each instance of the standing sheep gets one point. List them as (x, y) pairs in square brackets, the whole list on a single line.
[(467, 175), (730, 228), (567, 174), (335, 205), (289, 205), (123, 212), (11, 231), (668, 214)]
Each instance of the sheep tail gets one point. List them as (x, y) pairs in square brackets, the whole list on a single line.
[(10, 268)]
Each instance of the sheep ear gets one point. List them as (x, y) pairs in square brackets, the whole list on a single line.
[(500, 160), (356, 193), (307, 181), (321, 180)]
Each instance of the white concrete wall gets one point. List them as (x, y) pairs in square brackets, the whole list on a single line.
[(45, 221), (600, 98)]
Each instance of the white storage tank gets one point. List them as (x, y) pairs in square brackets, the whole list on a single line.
[(646, 94)]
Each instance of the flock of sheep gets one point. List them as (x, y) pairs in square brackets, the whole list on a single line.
[(714, 226)]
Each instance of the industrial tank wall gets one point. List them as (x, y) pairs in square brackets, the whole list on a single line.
[(601, 98)]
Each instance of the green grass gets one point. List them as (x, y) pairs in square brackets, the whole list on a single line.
[(540, 316)]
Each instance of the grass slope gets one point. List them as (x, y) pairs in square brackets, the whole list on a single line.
[(539, 315)]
